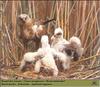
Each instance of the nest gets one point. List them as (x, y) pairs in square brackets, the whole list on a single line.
[(85, 68)]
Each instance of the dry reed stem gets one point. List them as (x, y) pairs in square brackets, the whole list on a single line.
[(85, 59), (97, 77), (91, 74)]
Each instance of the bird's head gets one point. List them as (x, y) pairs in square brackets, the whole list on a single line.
[(75, 41), (23, 18), (58, 32)]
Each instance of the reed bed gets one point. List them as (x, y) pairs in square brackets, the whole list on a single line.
[(79, 18)]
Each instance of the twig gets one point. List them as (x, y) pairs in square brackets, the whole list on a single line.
[(94, 67), (91, 75), (87, 58), (23, 76), (97, 77)]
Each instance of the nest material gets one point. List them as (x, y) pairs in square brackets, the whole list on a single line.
[(79, 70)]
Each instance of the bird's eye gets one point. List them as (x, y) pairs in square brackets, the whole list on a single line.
[(59, 34)]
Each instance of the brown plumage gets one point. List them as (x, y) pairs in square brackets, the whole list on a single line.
[(31, 29), (26, 24)]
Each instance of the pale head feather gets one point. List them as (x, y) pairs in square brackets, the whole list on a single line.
[(58, 30), (75, 40)]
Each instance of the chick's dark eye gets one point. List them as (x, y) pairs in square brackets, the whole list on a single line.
[(59, 34)]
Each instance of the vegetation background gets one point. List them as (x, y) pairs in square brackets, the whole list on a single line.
[(80, 18)]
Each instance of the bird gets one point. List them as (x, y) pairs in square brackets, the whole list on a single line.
[(57, 43), (43, 57), (71, 49), (76, 46), (47, 62), (57, 39), (30, 30)]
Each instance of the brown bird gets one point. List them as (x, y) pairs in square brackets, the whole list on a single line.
[(26, 24), (31, 30)]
